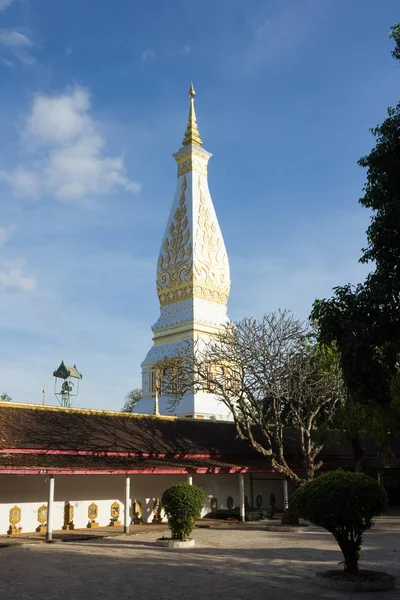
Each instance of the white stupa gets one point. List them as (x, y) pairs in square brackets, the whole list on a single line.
[(193, 279)]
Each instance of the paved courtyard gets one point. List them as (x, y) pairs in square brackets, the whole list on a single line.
[(232, 561)]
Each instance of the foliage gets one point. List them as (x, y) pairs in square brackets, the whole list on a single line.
[(183, 504), (272, 378), (364, 320), (343, 503), (5, 398), (131, 400), (395, 34)]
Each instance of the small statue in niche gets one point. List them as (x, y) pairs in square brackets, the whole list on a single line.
[(93, 512), (157, 508), (115, 513), (15, 519), (68, 517), (137, 513), (42, 518)]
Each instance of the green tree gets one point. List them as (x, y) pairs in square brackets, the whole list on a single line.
[(395, 34), (183, 504), (5, 398), (364, 320), (131, 400), (344, 504)]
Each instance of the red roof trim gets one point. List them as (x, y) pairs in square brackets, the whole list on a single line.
[(168, 471), (111, 453), (157, 455)]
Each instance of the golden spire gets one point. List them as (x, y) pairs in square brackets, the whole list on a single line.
[(192, 135)]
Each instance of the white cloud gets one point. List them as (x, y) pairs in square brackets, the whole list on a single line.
[(278, 33), (185, 50), (67, 158), (147, 55), (16, 43), (12, 276), (14, 39), (6, 62), (59, 119), (4, 4)]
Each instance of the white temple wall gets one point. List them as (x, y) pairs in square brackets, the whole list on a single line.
[(29, 492)]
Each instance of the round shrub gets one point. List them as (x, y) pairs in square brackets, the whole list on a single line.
[(183, 504), (343, 503)]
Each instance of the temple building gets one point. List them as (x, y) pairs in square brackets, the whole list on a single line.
[(66, 468), (193, 279)]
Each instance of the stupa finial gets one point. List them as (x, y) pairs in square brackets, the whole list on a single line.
[(192, 135)]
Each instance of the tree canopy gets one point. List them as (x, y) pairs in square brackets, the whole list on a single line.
[(364, 320), (131, 399), (282, 389), (344, 504)]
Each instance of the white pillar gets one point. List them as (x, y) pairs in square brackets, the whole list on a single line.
[(190, 479), (49, 528), (379, 476), (285, 494), (241, 498), (127, 504)]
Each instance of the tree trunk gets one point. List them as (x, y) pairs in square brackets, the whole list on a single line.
[(358, 454), (351, 551)]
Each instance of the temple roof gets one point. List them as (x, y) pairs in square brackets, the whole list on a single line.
[(44, 439), (64, 371)]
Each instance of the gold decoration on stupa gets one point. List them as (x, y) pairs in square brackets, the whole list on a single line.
[(175, 261), (192, 135)]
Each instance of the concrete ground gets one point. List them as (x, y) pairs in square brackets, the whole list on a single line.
[(230, 560)]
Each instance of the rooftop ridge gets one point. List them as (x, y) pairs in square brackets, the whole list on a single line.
[(108, 413), (89, 411)]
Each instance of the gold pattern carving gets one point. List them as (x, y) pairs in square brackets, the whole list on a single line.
[(210, 260), (42, 518), (202, 272), (15, 515), (157, 508), (174, 263), (115, 512), (68, 517), (93, 512), (194, 162), (42, 514), (137, 513), (15, 518)]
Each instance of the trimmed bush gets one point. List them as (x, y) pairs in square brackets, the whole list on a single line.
[(343, 503), (183, 504)]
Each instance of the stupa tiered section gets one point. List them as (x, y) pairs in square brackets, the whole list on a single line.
[(193, 278)]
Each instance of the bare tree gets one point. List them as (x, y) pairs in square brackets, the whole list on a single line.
[(131, 400), (283, 390)]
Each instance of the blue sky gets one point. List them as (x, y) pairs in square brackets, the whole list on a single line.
[(93, 98)]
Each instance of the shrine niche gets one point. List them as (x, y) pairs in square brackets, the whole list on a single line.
[(68, 517), (93, 513), (42, 518), (137, 513), (259, 501), (214, 504), (115, 515), (157, 508), (230, 503), (15, 519)]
